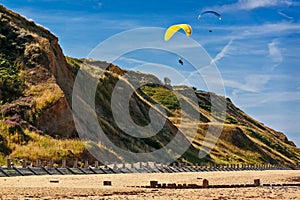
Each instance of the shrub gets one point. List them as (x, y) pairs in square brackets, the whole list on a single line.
[(11, 84)]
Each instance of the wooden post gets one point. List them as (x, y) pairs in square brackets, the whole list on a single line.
[(75, 165), (115, 166), (257, 182), (51, 164), (8, 163), (141, 165), (96, 164), (38, 163), (179, 164), (205, 183), (63, 164), (24, 163), (86, 164), (107, 183), (153, 184)]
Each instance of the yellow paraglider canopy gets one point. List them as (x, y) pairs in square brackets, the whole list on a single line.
[(173, 29)]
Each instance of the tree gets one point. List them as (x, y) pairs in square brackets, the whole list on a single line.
[(167, 81)]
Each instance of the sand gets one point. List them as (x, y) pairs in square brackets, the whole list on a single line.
[(91, 186)]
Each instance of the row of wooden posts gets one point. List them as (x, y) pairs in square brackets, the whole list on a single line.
[(86, 164), (205, 184)]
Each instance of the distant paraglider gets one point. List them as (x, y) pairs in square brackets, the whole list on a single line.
[(180, 61), (187, 28), (212, 12), (173, 29)]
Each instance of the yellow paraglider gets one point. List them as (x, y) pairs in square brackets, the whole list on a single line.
[(173, 29)]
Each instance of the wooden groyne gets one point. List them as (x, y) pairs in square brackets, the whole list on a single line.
[(205, 185), (23, 168)]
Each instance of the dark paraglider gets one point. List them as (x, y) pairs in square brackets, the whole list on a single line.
[(180, 61), (210, 12)]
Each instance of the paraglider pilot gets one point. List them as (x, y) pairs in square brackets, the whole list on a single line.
[(180, 61)]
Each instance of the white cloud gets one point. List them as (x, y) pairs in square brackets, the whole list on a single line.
[(267, 29), (253, 83), (253, 4), (97, 4), (222, 53), (261, 31), (258, 99), (132, 60), (285, 15), (275, 53)]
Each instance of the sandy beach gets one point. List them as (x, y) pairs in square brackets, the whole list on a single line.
[(124, 186)]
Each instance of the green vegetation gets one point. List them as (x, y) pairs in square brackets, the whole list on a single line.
[(74, 64), (230, 120), (163, 96), (11, 84), (18, 143), (46, 95), (273, 143), (46, 148)]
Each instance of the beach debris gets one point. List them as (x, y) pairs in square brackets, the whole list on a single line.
[(294, 179), (153, 184), (107, 183), (205, 183), (257, 182), (54, 181)]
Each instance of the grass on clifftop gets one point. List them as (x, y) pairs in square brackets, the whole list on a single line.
[(163, 96), (18, 143)]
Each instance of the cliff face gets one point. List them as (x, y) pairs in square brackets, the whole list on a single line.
[(44, 70), (36, 98)]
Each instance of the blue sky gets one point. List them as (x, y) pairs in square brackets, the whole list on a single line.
[(256, 45)]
